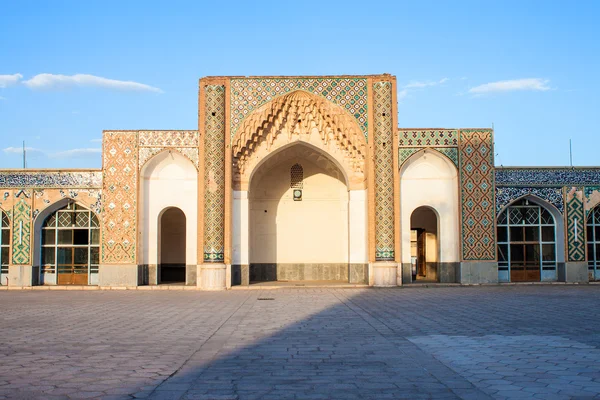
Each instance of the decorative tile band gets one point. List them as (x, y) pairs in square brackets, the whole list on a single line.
[(591, 198), (214, 174), (404, 153), (477, 195), (146, 153), (427, 138), (119, 208), (547, 176), (507, 195), (383, 132), (21, 233), (248, 94), (575, 224), (168, 138), (51, 179)]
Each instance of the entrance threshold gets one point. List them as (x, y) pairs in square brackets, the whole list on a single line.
[(299, 285)]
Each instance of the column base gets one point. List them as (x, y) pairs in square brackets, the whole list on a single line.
[(385, 274), (212, 276)]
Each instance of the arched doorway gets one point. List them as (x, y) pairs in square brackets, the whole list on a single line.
[(298, 209), (424, 249), (167, 180), (593, 243), (172, 227), (4, 247), (70, 250), (527, 237), (429, 215)]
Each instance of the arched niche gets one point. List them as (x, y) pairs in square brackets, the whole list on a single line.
[(167, 180), (430, 179)]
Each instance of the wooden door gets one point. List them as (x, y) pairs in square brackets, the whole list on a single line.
[(421, 259)]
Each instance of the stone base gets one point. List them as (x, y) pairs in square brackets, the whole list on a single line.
[(264, 272), (212, 276), (190, 275), (21, 275), (118, 275), (446, 272), (386, 274), (477, 272), (573, 272)]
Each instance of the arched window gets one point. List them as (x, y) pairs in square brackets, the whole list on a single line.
[(4, 247), (593, 243), (526, 243), (296, 176), (70, 246)]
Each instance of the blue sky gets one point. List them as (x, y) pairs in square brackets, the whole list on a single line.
[(528, 67)]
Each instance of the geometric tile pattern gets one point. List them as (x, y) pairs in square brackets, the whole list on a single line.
[(427, 138), (21, 237), (575, 224), (119, 208), (477, 195), (383, 132), (548, 176), (146, 153), (48, 179), (214, 174), (404, 153), (507, 195), (248, 94), (168, 138)]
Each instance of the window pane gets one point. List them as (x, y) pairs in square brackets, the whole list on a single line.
[(65, 219), (502, 234), (65, 236), (516, 234), (502, 252), (5, 237), (547, 217), (95, 223), (532, 252), (82, 219), (516, 253), (514, 216), (532, 234), (81, 255), (597, 231), (94, 255), (5, 223), (80, 236), (502, 218), (597, 249), (95, 236), (548, 233), (548, 252), (50, 221), (48, 236), (4, 256), (589, 233), (590, 249), (65, 255), (48, 255)]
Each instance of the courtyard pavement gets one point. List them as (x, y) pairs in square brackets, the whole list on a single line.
[(500, 342)]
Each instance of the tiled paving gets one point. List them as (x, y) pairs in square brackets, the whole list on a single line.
[(306, 343)]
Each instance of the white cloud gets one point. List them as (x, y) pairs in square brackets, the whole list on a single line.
[(76, 153), (420, 85), (19, 150), (402, 94), (534, 84), (49, 81), (2, 98), (96, 140), (8, 80)]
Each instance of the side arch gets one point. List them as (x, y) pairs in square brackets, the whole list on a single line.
[(430, 179)]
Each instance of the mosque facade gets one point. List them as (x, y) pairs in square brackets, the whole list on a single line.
[(299, 179)]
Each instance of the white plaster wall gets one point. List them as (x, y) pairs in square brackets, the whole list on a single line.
[(357, 210), (240, 228), (314, 230), (430, 179), (167, 180)]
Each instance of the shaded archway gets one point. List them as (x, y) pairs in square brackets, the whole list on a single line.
[(172, 246), (424, 249), (167, 180), (298, 229), (4, 247), (429, 181), (530, 237)]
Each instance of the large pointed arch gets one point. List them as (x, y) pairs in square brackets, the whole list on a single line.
[(299, 116)]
